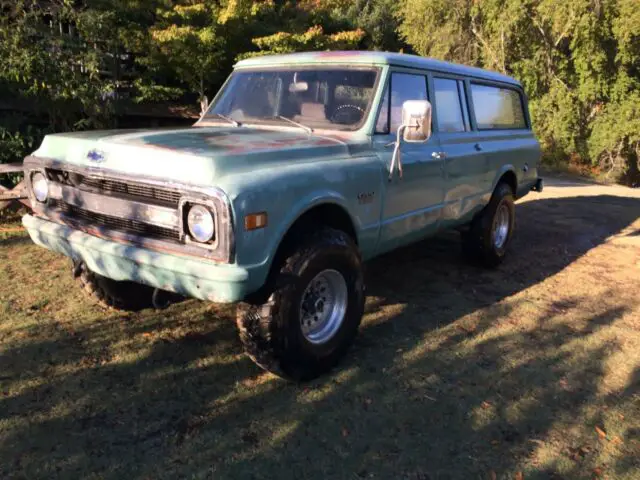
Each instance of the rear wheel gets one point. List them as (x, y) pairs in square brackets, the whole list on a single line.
[(488, 237), (309, 321), (108, 293)]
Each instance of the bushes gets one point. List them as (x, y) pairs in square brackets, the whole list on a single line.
[(579, 61)]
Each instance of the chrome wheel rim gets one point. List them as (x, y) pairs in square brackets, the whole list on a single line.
[(323, 306), (501, 226)]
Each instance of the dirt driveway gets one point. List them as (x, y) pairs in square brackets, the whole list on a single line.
[(528, 371)]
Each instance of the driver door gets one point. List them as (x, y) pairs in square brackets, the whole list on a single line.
[(412, 203)]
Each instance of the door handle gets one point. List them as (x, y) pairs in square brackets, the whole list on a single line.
[(478, 147), (439, 155)]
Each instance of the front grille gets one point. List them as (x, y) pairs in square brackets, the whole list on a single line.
[(113, 223), (129, 209), (132, 191)]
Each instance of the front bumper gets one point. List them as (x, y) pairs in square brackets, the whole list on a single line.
[(187, 276)]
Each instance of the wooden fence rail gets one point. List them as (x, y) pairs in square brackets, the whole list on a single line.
[(15, 194)]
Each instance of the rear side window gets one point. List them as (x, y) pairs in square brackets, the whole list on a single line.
[(404, 86), (449, 106), (497, 108)]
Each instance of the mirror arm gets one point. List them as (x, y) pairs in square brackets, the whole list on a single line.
[(395, 159)]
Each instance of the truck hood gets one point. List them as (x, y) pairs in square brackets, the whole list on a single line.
[(193, 155)]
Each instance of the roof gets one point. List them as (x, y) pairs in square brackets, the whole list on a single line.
[(374, 58)]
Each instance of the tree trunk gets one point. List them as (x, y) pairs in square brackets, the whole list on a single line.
[(631, 176)]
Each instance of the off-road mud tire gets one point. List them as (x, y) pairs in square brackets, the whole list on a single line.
[(477, 242), (108, 293), (271, 331)]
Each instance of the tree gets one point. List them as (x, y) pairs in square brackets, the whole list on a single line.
[(50, 78), (615, 131), (185, 42), (47, 66), (577, 60), (312, 39), (379, 20), (73, 64), (307, 25)]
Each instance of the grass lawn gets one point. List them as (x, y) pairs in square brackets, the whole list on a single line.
[(528, 371)]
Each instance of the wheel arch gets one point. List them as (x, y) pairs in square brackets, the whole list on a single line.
[(325, 213), (328, 214), (507, 175)]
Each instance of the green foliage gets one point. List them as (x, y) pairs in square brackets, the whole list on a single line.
[(75, 64), (14, 143), (305, 26), (379, 21), (49, 79), (578, 61), (615, 138), (312, 39), (186, 42), (54, 73)]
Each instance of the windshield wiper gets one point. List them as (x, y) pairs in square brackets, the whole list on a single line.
[(235, 123), (293, 122)]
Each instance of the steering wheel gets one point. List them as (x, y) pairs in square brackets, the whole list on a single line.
[(345, 114)]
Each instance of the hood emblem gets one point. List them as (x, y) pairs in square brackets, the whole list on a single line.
[(96, 156)]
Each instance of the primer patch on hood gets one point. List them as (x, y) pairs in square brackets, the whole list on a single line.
[(203, 141)]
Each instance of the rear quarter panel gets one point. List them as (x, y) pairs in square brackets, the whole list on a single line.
[(511, 150)]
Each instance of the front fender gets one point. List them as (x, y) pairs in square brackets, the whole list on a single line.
[(304, 205), (259, 246), (286, 194), (307, 203)]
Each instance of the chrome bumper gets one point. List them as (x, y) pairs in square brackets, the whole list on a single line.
[(188, 276)]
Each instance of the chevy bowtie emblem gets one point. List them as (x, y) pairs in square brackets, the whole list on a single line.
[(95, 156)]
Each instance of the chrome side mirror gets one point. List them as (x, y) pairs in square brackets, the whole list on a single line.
[(415, 128), (204, 105), (416, 120)]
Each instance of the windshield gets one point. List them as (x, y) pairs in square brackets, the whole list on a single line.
[(314, 98)]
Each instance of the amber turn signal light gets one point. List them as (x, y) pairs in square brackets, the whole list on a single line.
[(255, 221)]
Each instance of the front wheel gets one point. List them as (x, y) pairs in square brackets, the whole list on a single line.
[(108, 293), (308, 322), (490, 232)]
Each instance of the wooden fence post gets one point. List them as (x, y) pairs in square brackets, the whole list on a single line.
[(17, 193)]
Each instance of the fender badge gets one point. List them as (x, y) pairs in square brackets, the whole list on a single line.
[(365, 197), (96, 156)]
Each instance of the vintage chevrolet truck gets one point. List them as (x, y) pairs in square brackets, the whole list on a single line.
[(302, 167)]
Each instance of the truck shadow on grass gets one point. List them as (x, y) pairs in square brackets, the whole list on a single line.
[(458, 372)]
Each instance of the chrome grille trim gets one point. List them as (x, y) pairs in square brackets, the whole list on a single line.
[(114, 223), (163, 217), (147, 235), (115, 188)]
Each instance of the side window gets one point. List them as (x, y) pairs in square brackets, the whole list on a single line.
[(497, 108), (449, 108), (403, 86)]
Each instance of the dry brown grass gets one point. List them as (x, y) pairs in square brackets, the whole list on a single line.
[(459, 372)]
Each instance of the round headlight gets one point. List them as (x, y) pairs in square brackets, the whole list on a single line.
[(200, 223), (40, 187)]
